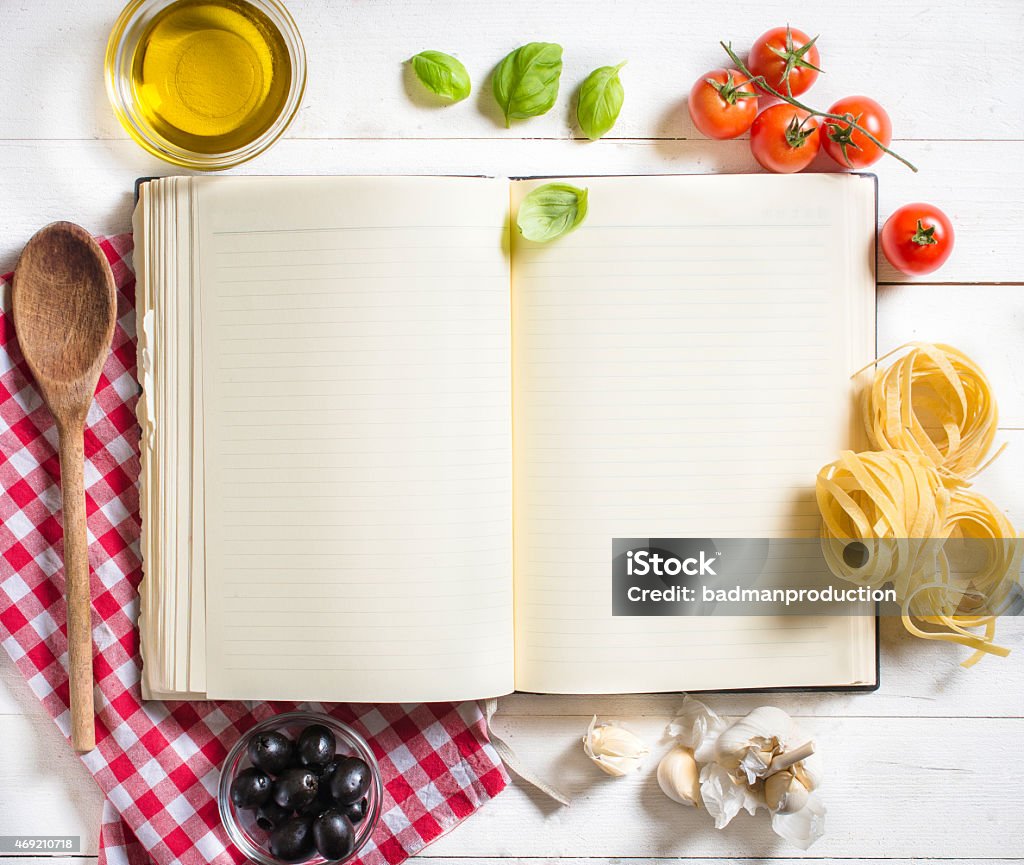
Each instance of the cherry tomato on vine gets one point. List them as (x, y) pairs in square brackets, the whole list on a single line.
[(784, 139), (787, 58), (846, 145), (722, 103), (917, 238)]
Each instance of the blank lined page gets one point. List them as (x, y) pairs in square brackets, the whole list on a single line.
[(356, 387), (682, 369)]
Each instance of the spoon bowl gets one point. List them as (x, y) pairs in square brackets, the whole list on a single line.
[(65, 307)]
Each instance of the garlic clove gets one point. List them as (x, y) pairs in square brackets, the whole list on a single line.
[(614, 749), (679, 777), (785, 793)]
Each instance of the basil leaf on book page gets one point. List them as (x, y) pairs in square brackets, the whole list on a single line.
[(442, 74), (600, 101), (526, 82), (550, 211)]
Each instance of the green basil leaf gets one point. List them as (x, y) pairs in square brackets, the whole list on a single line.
[(600, 101), (550, 211), (526, 81), (442, 74)]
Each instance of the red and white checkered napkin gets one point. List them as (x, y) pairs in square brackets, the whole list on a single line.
[(158, 762)]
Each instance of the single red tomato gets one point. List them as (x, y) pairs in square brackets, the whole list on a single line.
[(848, 146), (784, 139), (787, 58), (722, 103), (917, 238)]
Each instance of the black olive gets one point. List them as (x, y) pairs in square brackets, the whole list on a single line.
[(355, 811), (333, 835), (350, 781), (324, 774), (270, 815), (293, 839), (318, 805), (251, 788), (272, 752), (316, 745), (296, 788), (327, 769)]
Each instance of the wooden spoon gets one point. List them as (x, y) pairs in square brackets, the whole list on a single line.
[(64, 311)]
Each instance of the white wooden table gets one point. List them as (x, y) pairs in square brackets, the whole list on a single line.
[(927, 767)]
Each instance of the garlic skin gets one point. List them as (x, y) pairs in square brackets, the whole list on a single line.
[(697, 727), (679, 777), (801, 828), (614, 749), (785, 793), (724, 797)]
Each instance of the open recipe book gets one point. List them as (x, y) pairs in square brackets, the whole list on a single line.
[(387, 442)]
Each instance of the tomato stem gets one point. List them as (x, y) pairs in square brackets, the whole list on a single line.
[(924, 236), (797, 132), (796, 103), (729, 90)]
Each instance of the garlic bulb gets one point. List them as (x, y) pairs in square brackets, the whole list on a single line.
[(614, 749), (757, 746), (761, 761), (679, 777)]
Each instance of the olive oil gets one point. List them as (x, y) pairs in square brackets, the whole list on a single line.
[(211, 76)]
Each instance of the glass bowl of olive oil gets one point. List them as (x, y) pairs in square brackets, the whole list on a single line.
[(205, 84)]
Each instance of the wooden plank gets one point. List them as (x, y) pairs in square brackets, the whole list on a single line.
[(91, 182), (47, 789), (630, 817), (895, 788), (358, 87), (985, 321), (429, 856), (779, 859), (80, 859)]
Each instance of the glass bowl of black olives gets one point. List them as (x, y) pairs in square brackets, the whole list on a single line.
[(300, 787)]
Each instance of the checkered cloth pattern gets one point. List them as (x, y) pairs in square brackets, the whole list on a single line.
[(158, 762)]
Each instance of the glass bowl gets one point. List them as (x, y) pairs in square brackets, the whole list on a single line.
[(131, 29), (241, 824)]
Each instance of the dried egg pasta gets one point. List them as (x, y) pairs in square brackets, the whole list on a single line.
[(894, 502), (958, 603), (935, 401), (932, 417)]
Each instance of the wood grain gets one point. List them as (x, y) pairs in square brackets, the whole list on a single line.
[(64, 306), (938, 74)]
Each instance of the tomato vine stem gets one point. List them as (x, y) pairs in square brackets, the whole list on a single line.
[(796, 103)]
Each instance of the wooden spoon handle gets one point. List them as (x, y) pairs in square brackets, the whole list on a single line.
[(78, 594)]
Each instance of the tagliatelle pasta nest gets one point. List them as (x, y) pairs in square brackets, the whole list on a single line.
[(893, 503), (898, 514), (958, 601), (934, 401)]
